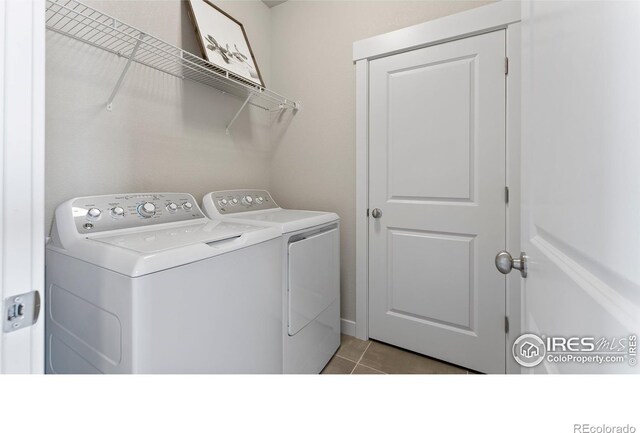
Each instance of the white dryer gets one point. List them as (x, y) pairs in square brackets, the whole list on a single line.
[(311, 272), (145, 283)]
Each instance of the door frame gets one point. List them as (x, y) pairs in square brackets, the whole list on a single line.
[(496, 16), (22, 163)]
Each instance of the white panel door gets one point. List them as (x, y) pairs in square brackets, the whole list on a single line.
[(22, 47), (437, 174), (580, 177)]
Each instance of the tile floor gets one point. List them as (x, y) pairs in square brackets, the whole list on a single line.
[(372, 357)]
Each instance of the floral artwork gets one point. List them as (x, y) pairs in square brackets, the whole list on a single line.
[(231, 55), (223, 41)]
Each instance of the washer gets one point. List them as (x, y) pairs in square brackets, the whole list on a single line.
[(145, 283), (311, 272)]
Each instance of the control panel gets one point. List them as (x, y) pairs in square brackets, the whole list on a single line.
[(113, 212), (236, 201)]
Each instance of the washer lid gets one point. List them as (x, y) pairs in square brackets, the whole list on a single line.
[(162, 239), (287, 220)]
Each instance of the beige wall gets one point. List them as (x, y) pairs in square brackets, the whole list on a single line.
[(163, 133), (168, 134), (313, 164)]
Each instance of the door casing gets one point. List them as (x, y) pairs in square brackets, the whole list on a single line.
[(501, 15), (22, 157)]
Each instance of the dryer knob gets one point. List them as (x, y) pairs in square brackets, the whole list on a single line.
[(172, 207), (187, 206), (147, 210), (259, 200), (247, 200)]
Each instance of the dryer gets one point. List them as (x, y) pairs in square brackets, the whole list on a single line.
[(145, 283), (310, 272)]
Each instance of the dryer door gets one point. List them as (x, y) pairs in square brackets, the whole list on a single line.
[(314, 276)]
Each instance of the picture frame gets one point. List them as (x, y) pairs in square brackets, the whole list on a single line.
[(224, 42)]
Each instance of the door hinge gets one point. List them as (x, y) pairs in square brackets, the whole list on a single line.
[(21, 311), (367, 212), (506, 65), (506, 194), (506, 325)]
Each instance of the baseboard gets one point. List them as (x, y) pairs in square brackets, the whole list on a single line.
[(348, 327)]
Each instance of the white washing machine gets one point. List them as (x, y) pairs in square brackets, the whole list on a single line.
[(145, 283), (311, 272)]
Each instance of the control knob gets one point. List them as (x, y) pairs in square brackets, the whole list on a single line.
[(172, 207), (117, 212), (234, 201), (187, 206), (147, 210), (94, 213), (247, 200), (223, 202), (259, 200)]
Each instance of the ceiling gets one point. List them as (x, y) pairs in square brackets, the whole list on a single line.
[(272, 3)]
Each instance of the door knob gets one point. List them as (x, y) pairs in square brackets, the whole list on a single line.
[(504, 263), (376, 213)]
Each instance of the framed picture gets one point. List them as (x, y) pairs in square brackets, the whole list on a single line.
[(223, 41)]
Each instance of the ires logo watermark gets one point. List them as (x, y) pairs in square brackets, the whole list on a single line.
[(530, 350)]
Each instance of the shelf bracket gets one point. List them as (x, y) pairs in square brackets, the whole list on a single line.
[(246, 101), (124, 72)]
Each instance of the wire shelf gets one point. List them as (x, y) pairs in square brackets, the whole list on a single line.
[(83, 23)]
